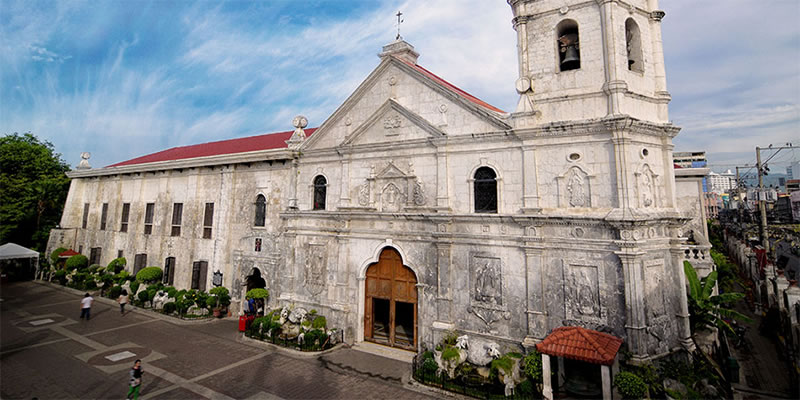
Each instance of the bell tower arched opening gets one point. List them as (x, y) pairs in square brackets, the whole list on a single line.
[(390, 303)]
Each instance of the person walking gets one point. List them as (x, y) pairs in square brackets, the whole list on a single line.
[(86, 306), (122, 300), (136, 380)]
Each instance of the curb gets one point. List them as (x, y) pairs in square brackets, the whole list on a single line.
[(286, 351)]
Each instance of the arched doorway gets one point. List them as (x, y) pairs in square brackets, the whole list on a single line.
[(254, 281), (390, 304)]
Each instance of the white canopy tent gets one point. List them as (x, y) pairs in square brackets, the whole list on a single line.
[(11, 251)]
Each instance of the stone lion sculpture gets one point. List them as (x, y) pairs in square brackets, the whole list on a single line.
[(482, 352), (298, 315), (160, 299)]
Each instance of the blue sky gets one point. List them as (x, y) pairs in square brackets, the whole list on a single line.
[(125, 78)]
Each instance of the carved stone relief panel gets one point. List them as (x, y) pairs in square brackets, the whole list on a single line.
[(315, 266), (486, 278), (582, 283), (392, 189), (654, 288)]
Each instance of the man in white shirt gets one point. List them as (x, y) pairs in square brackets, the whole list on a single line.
[(86, 305)]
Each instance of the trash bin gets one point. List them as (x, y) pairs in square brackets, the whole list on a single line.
[(243, 323)]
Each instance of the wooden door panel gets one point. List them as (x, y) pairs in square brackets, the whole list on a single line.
[(389, 279)]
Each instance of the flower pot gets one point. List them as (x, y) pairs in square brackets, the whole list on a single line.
[(217, 313)]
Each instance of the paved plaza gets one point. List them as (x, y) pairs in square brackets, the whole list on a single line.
[(47, 352)]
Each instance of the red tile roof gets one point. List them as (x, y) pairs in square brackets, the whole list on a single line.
[(232, 146), (68, 253), (582, 344), (453, 87)]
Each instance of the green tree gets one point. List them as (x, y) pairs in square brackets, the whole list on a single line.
[(708, 310), (33, 189)]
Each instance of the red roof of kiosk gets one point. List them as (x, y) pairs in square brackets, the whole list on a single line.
[(582, 344), (69, 253)]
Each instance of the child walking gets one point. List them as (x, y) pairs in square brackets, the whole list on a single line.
[(136, 380)]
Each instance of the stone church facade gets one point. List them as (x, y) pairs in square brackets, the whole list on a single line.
[(416, 208)]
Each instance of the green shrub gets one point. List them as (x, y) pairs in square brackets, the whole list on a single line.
[(171, 291), (116, 265), (170, 307), (61, 276), (450, 339), (219, 291), (89, 284), (506, 362), (134, 287), (114, 292), (429, 366), (121, 277), (94, 268), (630, 385), (211, 301), (78, 261), (144, 296), (532, 365), (258, 293), (151, 292), (79, 278), (182, 305), (315, 335), (526, 390), (149, 275), (450, 353), (320, 323), (55, 254)]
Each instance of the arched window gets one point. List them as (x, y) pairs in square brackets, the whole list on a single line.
[(633, 44), (261, 210), (320, 188), (485, 190), (569, 53)]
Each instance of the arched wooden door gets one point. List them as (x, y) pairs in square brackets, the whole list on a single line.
[(390, 306)]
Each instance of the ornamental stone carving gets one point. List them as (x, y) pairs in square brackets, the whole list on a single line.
[(419, 194), (487, 282), (576, 187), (363, 194), (392, 122), (314, 279)]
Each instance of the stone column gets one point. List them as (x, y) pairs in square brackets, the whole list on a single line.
[(605, 373), (635, 316), (613, 87), (547, 388), (658, 64), (534, 286), (625, 183)]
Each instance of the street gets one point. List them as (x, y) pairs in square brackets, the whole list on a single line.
[(47, 352)]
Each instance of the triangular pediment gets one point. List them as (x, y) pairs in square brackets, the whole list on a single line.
[(418, 99), (392, 122), (391, 171)]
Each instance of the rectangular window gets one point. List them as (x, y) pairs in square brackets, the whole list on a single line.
[(177, 214), (94, 255), (85, 215), (148, 218), (119, 253), (103, 217), (126, 213), (208, 220), (199, 270), (169, 271), (139, 262)]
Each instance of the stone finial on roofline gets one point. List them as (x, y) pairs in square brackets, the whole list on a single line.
[(400, 49), (84, 164), (299, 136)]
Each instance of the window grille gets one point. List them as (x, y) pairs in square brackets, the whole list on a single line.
[(485, 190), (208, 220), (148, 218), (126, 212), (177, 216), (320, 188)]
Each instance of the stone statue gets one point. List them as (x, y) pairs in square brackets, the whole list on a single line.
[(647, 189), (481, 352), (486, 283), (298, 315), (160, 299), (419, 194), (577, 197)]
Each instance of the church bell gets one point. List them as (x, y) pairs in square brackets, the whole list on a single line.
[(571, 56), (569, 46)]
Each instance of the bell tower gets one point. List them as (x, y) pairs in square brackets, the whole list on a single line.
[(582, 60)]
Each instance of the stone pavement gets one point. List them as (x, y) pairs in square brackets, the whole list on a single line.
[(47, 352)]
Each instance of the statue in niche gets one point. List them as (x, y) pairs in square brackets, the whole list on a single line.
[(577, 197), (363, 194), (586, 300), (391, 198), (419, 194), (647, 189), (487, 283)]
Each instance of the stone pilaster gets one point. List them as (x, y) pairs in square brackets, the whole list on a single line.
[(530, 176), (635, 316), (344, 195), (442, 182), (685, 328), (625, 183), (534, 287), (293, 185), (444, 298)]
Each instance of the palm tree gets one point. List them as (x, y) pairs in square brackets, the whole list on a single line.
[(708, 310)]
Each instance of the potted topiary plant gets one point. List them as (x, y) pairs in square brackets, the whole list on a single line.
[(218, 300), (259, 295)]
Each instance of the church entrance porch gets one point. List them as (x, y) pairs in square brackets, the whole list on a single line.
[(390, 303)]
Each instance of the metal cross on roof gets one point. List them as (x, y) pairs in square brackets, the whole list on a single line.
[(399, 21)]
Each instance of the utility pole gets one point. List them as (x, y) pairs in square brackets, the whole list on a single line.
[(762, 202), (739, 201)]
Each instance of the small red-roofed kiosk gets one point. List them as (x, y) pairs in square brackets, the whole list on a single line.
[(579, 344)]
